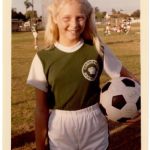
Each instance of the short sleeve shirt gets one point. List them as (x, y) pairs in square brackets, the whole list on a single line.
[(71, 75)]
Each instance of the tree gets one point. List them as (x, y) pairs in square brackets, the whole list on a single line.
[(104, 14), (113, 11), (21, 16), (100, 15), (122, 15), (14, 13), (97, 10), (28, 4), (136, 14), (31, 14)]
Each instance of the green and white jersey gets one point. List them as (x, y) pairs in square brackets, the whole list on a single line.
[(71, 75)]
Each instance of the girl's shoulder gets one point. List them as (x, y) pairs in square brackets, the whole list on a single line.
[(46, 53), (45, 50)]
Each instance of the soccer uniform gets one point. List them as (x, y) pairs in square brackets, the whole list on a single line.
[(71, 78)]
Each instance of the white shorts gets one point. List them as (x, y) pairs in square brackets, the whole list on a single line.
[(85, 129)]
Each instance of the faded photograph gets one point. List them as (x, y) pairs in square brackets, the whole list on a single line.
[(76, 76)]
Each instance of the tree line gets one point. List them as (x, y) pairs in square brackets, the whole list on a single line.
[(100, 15), (29, 14)]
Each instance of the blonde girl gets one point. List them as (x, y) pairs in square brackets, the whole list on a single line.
[(66, 78)]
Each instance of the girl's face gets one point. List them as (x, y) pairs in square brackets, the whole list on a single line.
[(71, 22)]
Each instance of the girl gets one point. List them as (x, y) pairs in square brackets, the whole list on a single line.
[(66, 76)]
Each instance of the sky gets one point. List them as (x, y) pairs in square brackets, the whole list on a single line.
[(128, 6)]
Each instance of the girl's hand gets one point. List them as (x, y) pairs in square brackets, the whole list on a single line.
[(135, 120)]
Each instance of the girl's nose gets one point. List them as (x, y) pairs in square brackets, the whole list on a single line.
[(74, 23)]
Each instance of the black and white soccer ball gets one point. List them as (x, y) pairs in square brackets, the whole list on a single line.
[(120, 99)]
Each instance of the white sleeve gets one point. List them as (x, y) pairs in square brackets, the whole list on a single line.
[(36, 75), (112, 65)]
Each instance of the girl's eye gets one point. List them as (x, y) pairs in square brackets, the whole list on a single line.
[(66, 19), (81, 18)]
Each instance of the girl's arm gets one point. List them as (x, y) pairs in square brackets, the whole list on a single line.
[(113, 67), (41, 119), (125, 73)]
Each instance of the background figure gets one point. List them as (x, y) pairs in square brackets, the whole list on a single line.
[(128, 26), (107, 29), (35, 35)]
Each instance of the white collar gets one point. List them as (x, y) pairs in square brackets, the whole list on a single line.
[(71, 49)]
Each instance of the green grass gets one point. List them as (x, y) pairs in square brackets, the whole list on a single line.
[(125, 47)]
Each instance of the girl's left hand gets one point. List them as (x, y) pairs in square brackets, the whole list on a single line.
[(136, 120)]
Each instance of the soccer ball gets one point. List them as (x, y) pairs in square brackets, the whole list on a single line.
[(120, 99)]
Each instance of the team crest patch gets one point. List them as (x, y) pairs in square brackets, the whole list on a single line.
[(90, 70)]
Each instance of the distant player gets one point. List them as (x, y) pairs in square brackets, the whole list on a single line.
[(35, 35), (128, 26), (107, 29)]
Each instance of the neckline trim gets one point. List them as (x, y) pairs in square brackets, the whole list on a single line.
[(71, 49)]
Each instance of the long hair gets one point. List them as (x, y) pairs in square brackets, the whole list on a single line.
[(90, 32)]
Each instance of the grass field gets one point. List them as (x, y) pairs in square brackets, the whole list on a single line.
[(126, 47)]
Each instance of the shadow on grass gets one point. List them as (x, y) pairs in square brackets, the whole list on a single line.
[(120, 42), (127, 139), (22, 139)]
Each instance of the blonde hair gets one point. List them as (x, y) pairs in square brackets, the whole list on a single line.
[(90, 32)]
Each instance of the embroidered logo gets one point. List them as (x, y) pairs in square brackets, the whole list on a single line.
[(90, 70)]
